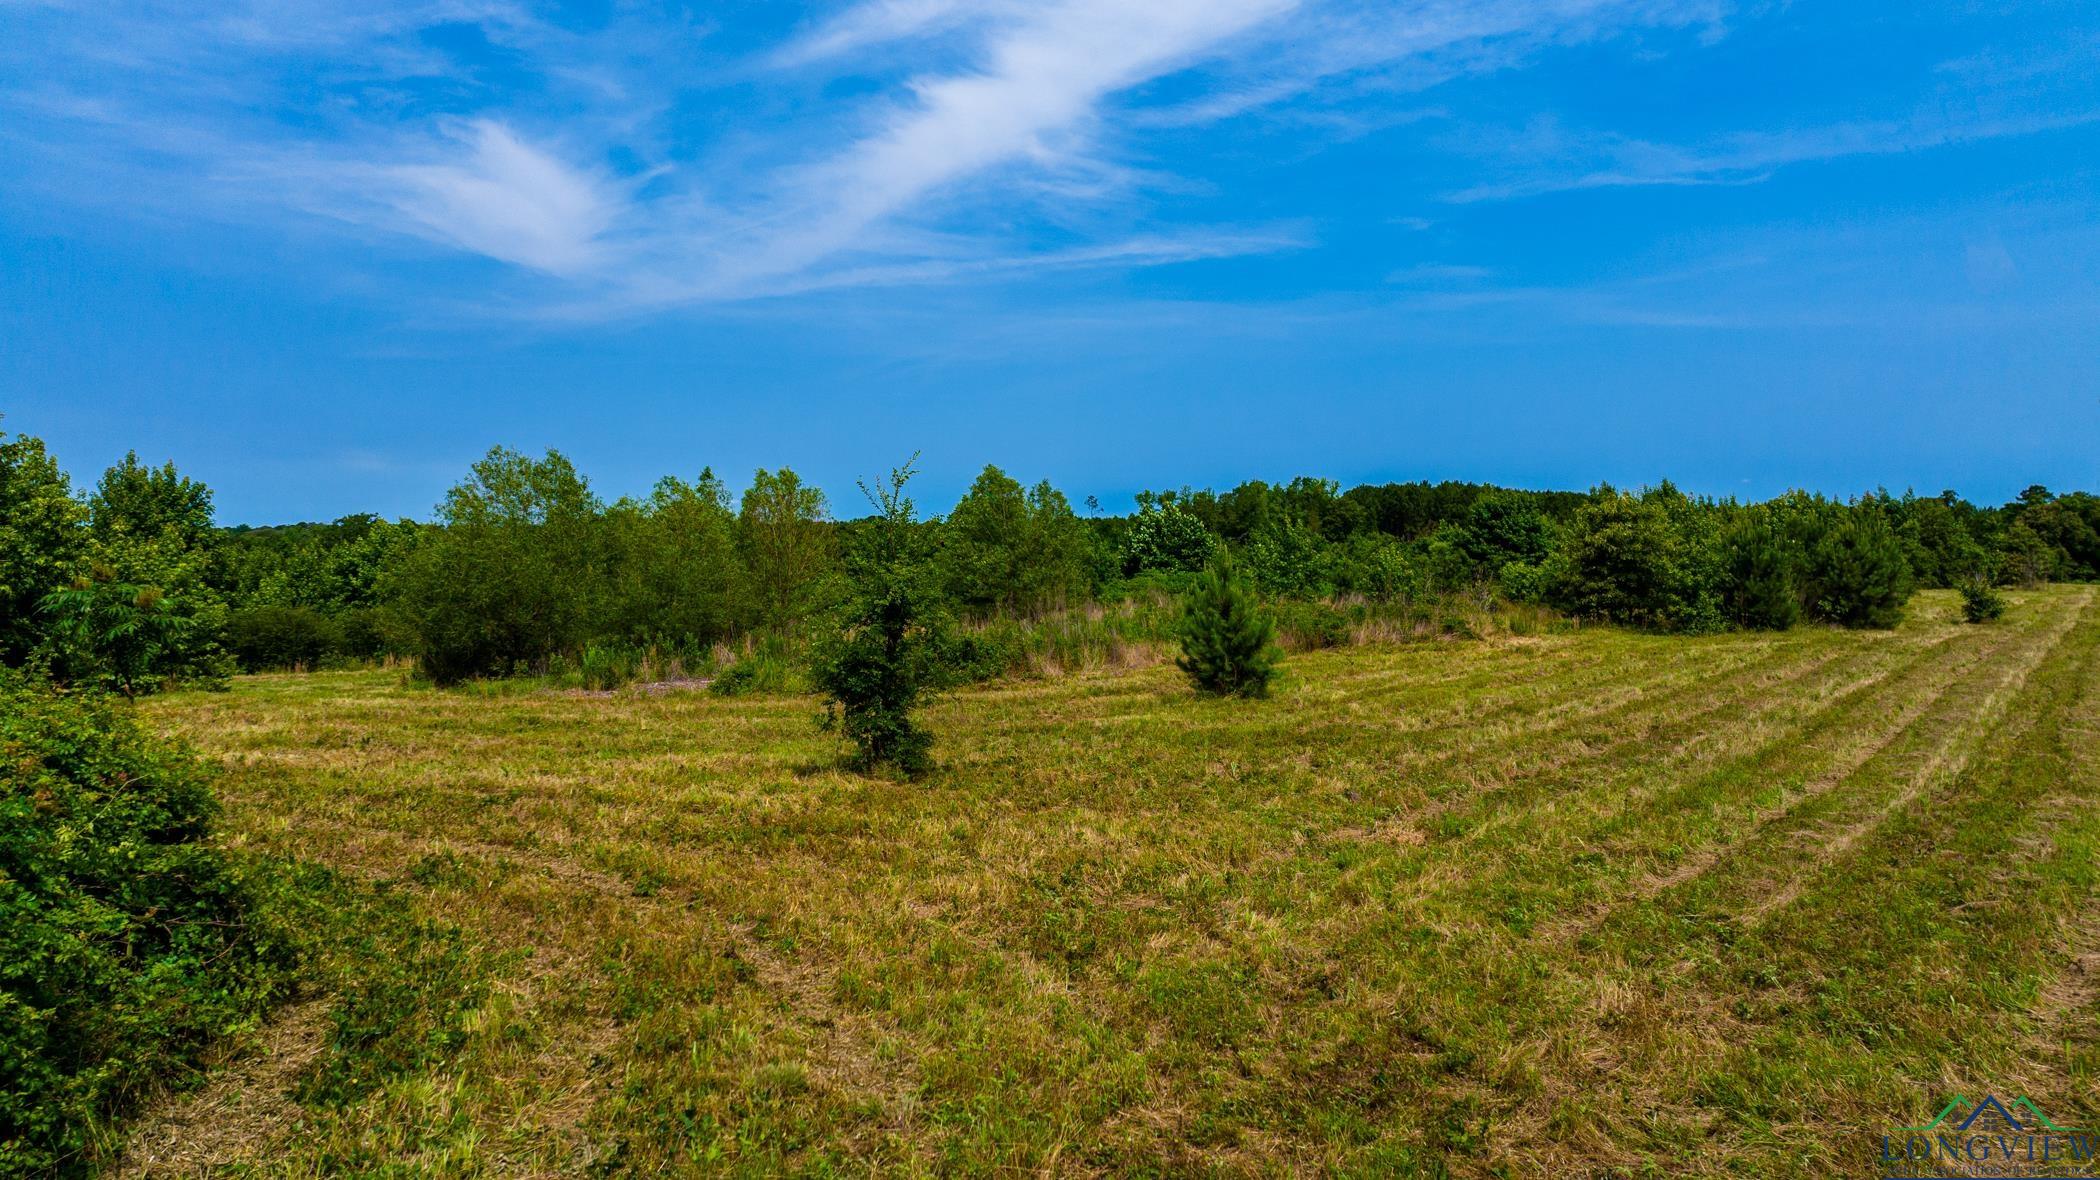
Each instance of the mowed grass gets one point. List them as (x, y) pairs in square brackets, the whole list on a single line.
[(1585, 904)]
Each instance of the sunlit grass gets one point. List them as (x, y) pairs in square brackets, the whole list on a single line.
[(1558, 904)]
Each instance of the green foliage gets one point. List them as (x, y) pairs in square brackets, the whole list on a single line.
[(1761, 588), (674, 563), (890, 649), (1008, 549), (127, 943), (1980, 603), (1500, 528), (514, 577), (1648, 560), (140, 503), (1228, 641), (786, 545), (1523, 581), (2023, 557), (132, 607), (2068, 527), (1285, 558), (273, 638), (1165, 537), (768, 667), (42, 541), (1310, 626), (1857, 574), (131, 637), (1375, 566)]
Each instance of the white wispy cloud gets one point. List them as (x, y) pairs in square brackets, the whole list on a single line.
[(1549, 158), (509, 200), (880, 22), (635, 162)]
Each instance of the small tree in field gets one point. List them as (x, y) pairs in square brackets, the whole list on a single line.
[(1980, 603), (889, 652), (1760, 586), (1228, 643)]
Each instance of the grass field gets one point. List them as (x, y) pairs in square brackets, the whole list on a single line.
[(1579, 904)]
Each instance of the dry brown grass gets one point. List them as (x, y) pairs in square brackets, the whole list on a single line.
[(1554, 905)]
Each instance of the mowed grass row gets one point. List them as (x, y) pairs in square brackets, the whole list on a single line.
[(1594, 903)]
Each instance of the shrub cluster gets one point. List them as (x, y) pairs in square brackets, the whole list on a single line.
[(126, 941)]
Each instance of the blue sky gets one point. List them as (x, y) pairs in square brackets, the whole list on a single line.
[(323, 254)]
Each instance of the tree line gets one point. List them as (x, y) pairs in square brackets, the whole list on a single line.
[(130, 584)]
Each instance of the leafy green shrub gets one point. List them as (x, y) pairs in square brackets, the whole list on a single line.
[(1522, 581), (890, 649), (127, 943), (514, 576), (362, 634), (1979, 602), (1012, 549), (1650, 560), (1285, 559), (132, 637), (1310, 626), (1619, 563), (769, 667), (271, 638), (1228, 642), (606, 666), (1166, 538)]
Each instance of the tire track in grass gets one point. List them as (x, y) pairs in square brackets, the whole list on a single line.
[(1441, 985), (1887, 965), (1893, 668), (1856, 750), (1338, 939), (1711, 1073), (1511, 731), (1943, 765), (2066, 1010), (1756, 696), (1444, 709)]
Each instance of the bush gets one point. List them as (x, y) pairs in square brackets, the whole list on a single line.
[(1310, 626), (134, 637), (1228, 643), (514, 576), (42, 536), (1760, 587), (1166, 538), (127, 943), (766, 668), (1858, 574), (273, 638), (1979, 602), (1620, 563)]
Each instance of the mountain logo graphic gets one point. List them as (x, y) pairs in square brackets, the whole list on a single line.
[(1992, 1138)]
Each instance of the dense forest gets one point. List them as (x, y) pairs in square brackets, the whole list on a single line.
[(130, 584)]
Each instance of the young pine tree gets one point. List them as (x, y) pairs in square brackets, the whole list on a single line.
[(1227, 640), (1761, 587), (890, 650), (1859, 573)]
